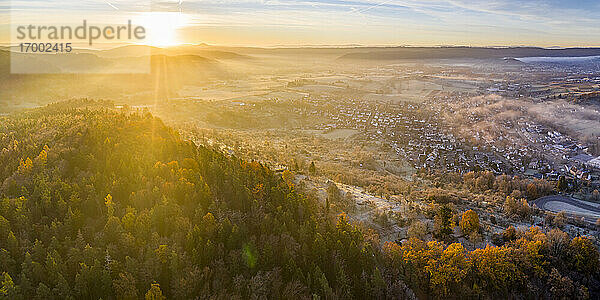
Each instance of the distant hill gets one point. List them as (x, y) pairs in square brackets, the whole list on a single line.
[(184, 58), (342, 53), (466, 52), (143, 50), (88, 75), (206, 51), (131, 51)]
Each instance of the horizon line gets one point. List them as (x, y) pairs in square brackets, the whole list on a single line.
[(333, 46)]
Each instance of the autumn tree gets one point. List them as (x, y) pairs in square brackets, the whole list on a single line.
[(154, 293), (288, 177), (510, 206), (509, 234), (583, 255), (532, 191), (562, 287), (8, 290), (469, 222), (560, 219), (448, 271)]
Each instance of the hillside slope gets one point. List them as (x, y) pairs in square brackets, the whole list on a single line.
[(102, 204), (394, 53), (97, 202)]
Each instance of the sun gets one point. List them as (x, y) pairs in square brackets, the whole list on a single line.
[(162, 28)]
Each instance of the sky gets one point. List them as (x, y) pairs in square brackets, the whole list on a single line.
[(544, 23)]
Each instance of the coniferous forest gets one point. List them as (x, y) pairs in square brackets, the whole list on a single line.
[(100, 203)]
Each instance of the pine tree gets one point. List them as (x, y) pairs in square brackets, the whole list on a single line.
[(562, 186)]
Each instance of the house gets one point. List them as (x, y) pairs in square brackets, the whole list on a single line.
[(594, 163)]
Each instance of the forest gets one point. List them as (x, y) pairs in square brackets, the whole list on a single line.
[(104, 203)]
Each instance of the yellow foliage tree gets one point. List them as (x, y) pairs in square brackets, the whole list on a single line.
[(288, 177), (469, 222), (448, 271), (154, 293), (110, 205), (25, 166), (495, 268)]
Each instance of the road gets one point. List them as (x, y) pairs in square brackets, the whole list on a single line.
[(590, 212)]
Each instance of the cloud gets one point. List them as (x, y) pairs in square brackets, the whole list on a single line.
[(449, 21)]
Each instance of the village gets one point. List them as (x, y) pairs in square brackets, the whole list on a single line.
[(378, 135)]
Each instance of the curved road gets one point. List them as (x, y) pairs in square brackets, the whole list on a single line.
[(541, 203)]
